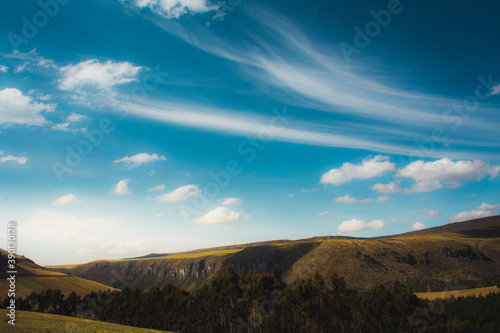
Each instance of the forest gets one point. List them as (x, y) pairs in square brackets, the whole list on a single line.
[(262, 302)]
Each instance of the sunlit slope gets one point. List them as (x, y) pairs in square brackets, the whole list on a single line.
[(468, 252), (33, 278), (43, 322)]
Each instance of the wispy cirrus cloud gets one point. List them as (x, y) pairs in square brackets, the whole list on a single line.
[(286, 59)]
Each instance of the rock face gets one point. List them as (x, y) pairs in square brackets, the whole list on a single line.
[(467, 252)]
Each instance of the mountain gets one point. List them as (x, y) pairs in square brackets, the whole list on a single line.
[(465, 254), (31, 277)]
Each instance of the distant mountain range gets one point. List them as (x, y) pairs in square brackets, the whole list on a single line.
[(464, 254)]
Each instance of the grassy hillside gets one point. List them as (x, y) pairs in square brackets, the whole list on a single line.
[(466, 252), (33, 278), (459, 293), (42, 322)]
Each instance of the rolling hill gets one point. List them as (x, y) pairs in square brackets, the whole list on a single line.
[(457, 255), (33, 278)]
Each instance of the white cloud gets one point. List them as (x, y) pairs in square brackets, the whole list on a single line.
[(495, 90), (96, 74), (220, 215), (10, 158), (291, 195), (175, 8), (386, 188), (179, 194), (121, 187), (367, 169), (66, 200), (433, 213), (39, 95), (350, 200), (231, 202), (160, 187), (484, 210), (430, 176), (355, 225), (137, 160), (418, 226), (75, 117), (424, 186), (4, 69), (384, 198), (323, 213), (30, 60), (399, 220), (305, 190), (16, 108)]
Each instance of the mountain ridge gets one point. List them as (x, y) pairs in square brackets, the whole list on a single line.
[(468, 252)]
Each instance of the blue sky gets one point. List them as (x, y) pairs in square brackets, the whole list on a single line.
[(137, 126)]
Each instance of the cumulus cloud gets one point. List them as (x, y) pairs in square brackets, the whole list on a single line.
[(137, 160), (291, 195), (220, 215), (16, 108), (386, 188), (350, 200), (231, 202), (66, 200), (384, 198), (4, 69), (430, 176), (121, 187), (160, 187), (179, 194), (376, 166), (323, 213), (174, 8), (399, 220), (95, 74), (418, 226), (355, 225), (10, 158), (484, 210), (75, 117)]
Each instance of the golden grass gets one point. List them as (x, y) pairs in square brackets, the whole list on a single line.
[(43, 322), (25, 285), (457, 293), (218, 253)]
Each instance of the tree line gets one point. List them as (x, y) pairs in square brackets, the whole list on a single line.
[(262, 302)]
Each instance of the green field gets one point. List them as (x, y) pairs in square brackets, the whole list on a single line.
[(43, 322), (457, 293)]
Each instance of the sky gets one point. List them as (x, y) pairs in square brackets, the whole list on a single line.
[(130, 127)]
